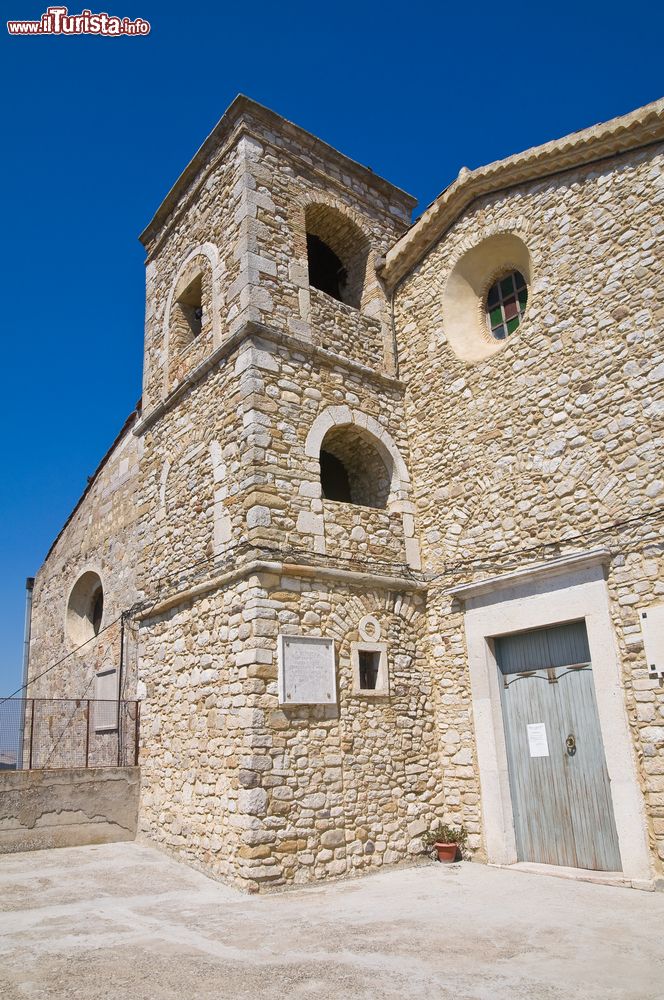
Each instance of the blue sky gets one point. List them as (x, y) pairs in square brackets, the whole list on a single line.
[(96, 130)]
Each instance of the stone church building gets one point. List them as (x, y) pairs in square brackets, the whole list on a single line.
[(381, 543)]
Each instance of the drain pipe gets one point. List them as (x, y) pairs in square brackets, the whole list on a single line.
[(27, 630)]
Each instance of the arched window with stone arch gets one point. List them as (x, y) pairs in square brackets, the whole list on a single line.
[(192, 315), (337, 254), (190, 305), (353, 470), (357, 463)]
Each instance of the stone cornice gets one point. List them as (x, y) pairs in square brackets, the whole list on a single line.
[(531, 574), (258, 332), (244, 111), (255, 567), (642, 127)]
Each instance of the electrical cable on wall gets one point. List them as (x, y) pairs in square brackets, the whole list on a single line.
[(475, 562), (32, 680)]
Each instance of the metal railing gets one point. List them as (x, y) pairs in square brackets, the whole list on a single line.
[(50, 733)]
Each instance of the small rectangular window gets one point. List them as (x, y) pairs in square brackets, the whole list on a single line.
[(369, 663), (369, 660)]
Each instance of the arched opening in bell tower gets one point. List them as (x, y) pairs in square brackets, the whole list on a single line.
[(337, 253), (352, 469)]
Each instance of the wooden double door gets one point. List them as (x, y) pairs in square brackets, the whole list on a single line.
[(561, 796)]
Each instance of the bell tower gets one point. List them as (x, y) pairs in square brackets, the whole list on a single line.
[(279, 517)]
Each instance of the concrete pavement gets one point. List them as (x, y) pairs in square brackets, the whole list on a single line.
[(124, 921)]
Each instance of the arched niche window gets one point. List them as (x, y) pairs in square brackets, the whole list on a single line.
[(337, 253), (352, 469), (486, 295), (188, 308), (85, 608), (97, 609)]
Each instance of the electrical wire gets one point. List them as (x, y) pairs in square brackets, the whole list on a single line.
[(495, 558), (475, 562), (60, 661)]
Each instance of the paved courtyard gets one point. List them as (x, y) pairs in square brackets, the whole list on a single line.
[(124, 921)]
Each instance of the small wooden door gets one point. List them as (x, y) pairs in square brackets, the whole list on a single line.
[(561, 797)]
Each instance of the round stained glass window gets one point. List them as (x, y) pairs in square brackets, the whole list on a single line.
[(506, 304)]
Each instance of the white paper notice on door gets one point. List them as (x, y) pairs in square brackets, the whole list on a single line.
[(537, 743)]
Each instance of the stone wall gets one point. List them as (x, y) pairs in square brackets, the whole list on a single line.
[(194, 719), (357, 535), (485, 456), (290, 174), (241, 223), (552, 438), (291, 390), (353, 787), (195, 474), (102, 536), (346, 330), (67, 807), (266, 794), (230, 474)]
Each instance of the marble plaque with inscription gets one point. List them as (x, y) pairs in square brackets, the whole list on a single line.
[(306, 670)]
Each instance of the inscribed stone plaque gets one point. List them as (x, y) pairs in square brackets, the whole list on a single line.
[(306, 670)]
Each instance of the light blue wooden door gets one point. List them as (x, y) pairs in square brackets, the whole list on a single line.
[(561, 798)]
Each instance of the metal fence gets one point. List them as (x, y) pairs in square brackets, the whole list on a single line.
[(49, 733)]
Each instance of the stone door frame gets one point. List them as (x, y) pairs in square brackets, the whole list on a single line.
[(563, 590)]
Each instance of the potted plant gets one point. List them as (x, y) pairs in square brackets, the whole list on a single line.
[(447, 841)]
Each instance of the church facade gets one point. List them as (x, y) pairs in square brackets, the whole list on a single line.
[(382, 543)]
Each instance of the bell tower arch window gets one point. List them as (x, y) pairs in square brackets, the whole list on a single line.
[(337, 254), (187, 310), (352, 470)]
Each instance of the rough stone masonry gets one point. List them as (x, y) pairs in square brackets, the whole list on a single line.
[(341, 462)]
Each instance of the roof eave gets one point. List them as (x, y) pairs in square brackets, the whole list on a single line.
[(639, 128), (129, 422)]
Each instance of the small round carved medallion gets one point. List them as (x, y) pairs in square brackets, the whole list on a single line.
[(369, 629)]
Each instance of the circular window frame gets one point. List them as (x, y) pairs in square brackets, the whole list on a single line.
[(79, 623), (467, 288), (497, 275)]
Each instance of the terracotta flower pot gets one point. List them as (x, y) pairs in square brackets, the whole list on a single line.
[(446, 852)]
